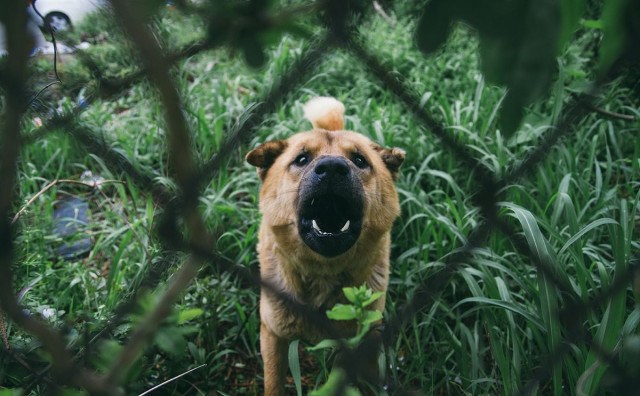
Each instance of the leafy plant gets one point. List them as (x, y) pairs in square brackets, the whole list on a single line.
[(359, 298), (520, 40)]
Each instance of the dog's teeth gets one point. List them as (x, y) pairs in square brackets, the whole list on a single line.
[(316, 227)]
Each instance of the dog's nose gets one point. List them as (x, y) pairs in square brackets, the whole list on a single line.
[(329, 166)]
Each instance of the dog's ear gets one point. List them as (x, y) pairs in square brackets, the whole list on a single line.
[(392, 158), (263, 156)]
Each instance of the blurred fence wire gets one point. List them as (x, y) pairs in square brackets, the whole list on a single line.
[(340, 33)]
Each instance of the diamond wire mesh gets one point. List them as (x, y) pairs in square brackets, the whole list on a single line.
[(67, 370)]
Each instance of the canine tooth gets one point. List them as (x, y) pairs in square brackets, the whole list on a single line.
[(346, 226)]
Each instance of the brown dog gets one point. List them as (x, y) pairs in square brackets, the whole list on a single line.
[(328, 202)]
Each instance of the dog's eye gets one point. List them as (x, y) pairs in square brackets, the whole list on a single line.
[(301, 160), (359, 160)]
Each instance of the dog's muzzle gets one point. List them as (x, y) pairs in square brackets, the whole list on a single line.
[(330, 207)]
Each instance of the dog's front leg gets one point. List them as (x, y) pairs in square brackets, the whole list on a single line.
[(274, 358)]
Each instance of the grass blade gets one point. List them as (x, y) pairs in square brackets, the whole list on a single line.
[(611, 326), (584, 230), (548, 293), (294, 365)]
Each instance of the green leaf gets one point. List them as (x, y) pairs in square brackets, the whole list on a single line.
[(371, 317), (108, 350), (485, 302), (11, 392), (350, 294), (372, 298), (611, 326), (294, 365), (337, 377), (586, 229), (342, 312), (170, 341), (197, 353), (592, 24), (189, 314), (324, 344), (548, 291)]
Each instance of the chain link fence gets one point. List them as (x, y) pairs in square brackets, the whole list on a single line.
[(190, 176)]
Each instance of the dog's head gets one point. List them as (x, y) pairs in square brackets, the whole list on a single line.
[(327, 187)]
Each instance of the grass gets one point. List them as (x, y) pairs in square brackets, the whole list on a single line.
[(493, 324)]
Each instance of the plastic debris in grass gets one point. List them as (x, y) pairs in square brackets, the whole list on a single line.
[(90, 179), (70, 222)]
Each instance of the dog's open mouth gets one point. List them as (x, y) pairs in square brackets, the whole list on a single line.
[(330, 214), (330, 223)]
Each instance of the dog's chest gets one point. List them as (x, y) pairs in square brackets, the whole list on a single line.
[(322, 291)]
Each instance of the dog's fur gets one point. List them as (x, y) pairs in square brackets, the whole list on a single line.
[(299, 261)]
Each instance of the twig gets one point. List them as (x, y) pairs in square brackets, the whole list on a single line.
[(123, 362), (53, 40), (106, 89), (3, 329), (17, 44), (37, 374), (172, 379), (181, 157), (34, 97), (607, 113), (56, 182), (55, 54), (383, 14)]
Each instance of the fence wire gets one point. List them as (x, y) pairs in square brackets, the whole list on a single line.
[(67, 367)]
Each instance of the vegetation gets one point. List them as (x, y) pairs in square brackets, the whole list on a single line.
[(492, 327)]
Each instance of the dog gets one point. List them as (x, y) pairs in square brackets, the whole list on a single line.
[(328, 202)]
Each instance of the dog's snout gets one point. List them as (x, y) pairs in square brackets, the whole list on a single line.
[(329, 166)]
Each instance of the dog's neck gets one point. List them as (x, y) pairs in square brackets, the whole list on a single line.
[(360, 266)]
